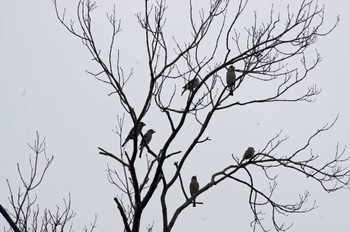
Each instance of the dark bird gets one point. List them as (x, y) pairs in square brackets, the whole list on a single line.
[(249, 153), (146, 139), (194, 187), (191, 85), (132, 132)]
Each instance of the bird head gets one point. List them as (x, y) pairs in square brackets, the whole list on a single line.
[(194, 177), (142, 124), (231, 67), (151, 131)]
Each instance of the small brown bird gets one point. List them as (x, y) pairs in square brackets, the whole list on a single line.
[(191, 85), (132, 132), (194, 187), (146, 139), (231, 78), (248, 153)]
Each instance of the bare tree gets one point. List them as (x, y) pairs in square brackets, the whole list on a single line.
[(25, 214), (275, 54)]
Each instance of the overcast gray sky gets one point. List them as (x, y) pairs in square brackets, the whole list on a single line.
[(44, 87)]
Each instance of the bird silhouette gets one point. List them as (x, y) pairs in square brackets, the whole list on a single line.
[(132, 132), (249, 153), (194, 187), (231, 78), (146, 139), (191, 85)]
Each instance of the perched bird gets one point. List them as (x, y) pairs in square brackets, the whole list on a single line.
[(146, 139), (194, 187), (132, 132), (191, 85), (248, 153), (231, 78)]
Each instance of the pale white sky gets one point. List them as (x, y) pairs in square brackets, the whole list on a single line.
[(44, 87)]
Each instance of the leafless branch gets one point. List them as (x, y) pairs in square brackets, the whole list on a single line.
[(275, 53)]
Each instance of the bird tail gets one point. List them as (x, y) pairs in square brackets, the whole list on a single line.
[(141, 149), (124, 142), (183, 91), (194, 202), (231, 90)]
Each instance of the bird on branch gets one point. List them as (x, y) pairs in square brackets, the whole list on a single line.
[(131, 134), (191, 85), (146, 139), (231, 78), (194, 187), (248, 153)]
